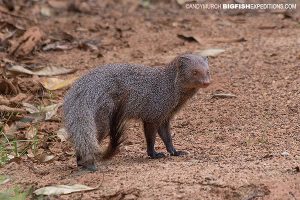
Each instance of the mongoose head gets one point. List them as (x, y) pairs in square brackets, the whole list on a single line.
[(193, 71)]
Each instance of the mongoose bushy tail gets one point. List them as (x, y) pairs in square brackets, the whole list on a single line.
[(116, 136), (100, 102)]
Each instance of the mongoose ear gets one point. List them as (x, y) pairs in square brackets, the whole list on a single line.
[(205, 58)]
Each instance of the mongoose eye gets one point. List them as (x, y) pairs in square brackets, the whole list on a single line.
[(208, 73), (195, 72)]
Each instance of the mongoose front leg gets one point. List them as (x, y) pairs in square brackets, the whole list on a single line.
[(165, 135), (150, 134)]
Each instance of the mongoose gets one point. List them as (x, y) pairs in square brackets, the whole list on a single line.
[(101, 101)]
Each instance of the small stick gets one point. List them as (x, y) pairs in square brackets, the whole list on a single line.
[(4, 108), (223, 95), (14, 15)]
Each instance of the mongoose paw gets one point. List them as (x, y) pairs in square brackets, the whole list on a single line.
[(91, 167), (178, 153), (157, 155)]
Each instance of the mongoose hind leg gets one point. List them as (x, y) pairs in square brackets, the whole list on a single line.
[(165, 135), (150, 134)]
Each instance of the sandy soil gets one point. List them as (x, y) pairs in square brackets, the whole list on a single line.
[(246, 147)]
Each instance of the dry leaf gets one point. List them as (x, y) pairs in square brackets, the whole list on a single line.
[(30, 108), (30, 133), (62, 134), (43, 158), (88, 45), (55, 83), (42, 112), (50, 110), (57, 4), (80, 6), (30, 153), (189, 38), (10, 131), (27, 42), (58, 46), (181, 2), (45, 11), (44, 71), (211, 52), (62, 189), (3, 179)]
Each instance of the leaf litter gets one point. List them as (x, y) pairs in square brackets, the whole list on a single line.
[(62, 189)]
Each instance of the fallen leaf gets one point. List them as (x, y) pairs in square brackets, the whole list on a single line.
[(45, 11), (10, 131), (181, 2), (3, 179), (80, 6), (55, 83), (239, 1), (44, 71), (43, 158), (50, 110), (30, 108), (30, 153), (27, 42), (58, 45), (62, 134), (88, 45), (62, 189), (211, 52), (145, 3), (42, 112), (189, 38), (58, 4), (30, 133)]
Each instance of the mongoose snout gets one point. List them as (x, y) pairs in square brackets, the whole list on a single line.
[(100, 102)]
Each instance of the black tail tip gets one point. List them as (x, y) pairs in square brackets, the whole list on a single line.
[(117, 127)]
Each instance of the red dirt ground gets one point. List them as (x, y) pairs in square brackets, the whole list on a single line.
[(235, 145)]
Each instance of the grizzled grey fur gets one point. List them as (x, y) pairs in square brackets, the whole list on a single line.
[(110, 94)]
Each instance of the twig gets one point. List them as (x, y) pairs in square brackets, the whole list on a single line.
[(14, 15), (4, 108), (223, 95)]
